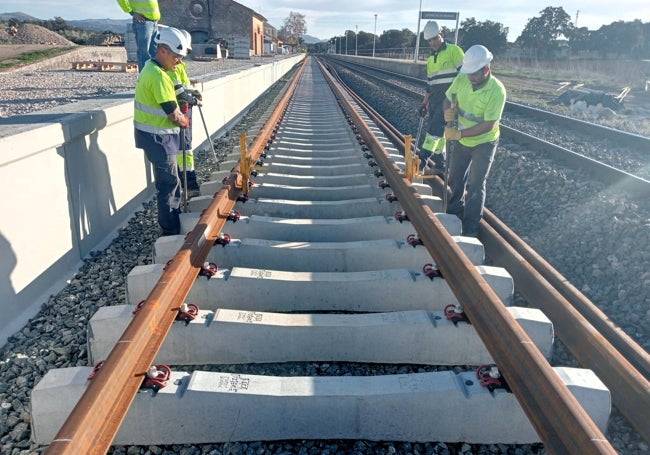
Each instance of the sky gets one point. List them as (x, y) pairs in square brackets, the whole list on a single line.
[(329, 18)]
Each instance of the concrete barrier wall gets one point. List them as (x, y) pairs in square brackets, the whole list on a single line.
[(76, 54), (72, 176), (407, 67)]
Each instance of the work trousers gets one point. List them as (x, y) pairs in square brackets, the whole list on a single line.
[(161, 151), (144, 33), (468, 172)]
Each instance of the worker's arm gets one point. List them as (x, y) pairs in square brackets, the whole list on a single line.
[(174, 114), (479, 128)]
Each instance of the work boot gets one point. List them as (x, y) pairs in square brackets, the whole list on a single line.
[(192, 184), (438, 161), (424, 156)]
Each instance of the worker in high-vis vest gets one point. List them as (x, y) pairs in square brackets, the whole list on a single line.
[(146, 15), (479, 101), (442, 67), (158, 121), (187, 96)]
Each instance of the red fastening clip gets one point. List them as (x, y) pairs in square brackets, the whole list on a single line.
[(233, 216), (390, 197), (223, 239), (432, 272), (455, 314), (242, 198), (383, 184), (490, 377), (413, 240), (157, 377), (98, 366), (138, 306), (187, 312), (208, 270), (401, 216)]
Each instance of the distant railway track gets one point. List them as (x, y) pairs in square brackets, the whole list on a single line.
[(615, 157), (94, 423)]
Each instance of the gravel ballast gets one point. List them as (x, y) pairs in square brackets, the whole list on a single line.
[(597, 239)]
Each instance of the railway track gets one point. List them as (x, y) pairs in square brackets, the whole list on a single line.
[(617, 158), (121, 376)]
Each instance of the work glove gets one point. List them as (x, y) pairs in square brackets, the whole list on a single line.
[(423, 111), (183, 106), (451, 114), (196, 94), (183, 95), (452, 134)]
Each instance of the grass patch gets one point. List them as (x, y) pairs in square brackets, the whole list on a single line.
[(32, 56), (602, 74), (537, 83)]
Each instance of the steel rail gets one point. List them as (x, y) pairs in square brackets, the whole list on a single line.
[(548, 403), (621, 363), (95, 420), (621, 341), (604, 132), (630, 390), (630, 183), (618, 360), (627, 182)]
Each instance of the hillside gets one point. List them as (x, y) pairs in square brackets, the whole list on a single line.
[(310, 39), (32, 34), (101, 25)]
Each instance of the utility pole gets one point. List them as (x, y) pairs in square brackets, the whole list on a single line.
[(356, 39), (417, 36), (374, 37), (346, 42), (575, 24)]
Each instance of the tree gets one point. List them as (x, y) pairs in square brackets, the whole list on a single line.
[(56, 25), (540, 33), (626, 38), (582, 39), (294, 26), (396, 39), (492, 35)]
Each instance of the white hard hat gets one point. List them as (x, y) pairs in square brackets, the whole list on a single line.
[(188, 40), (173, 38), (431, 29), (476, 58)]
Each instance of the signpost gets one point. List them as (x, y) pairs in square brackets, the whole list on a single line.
[(441, 15)]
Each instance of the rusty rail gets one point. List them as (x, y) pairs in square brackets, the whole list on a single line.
[(545, 399), (95, 420)]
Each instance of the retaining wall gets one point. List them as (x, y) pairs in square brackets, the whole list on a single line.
[(72, 177)]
